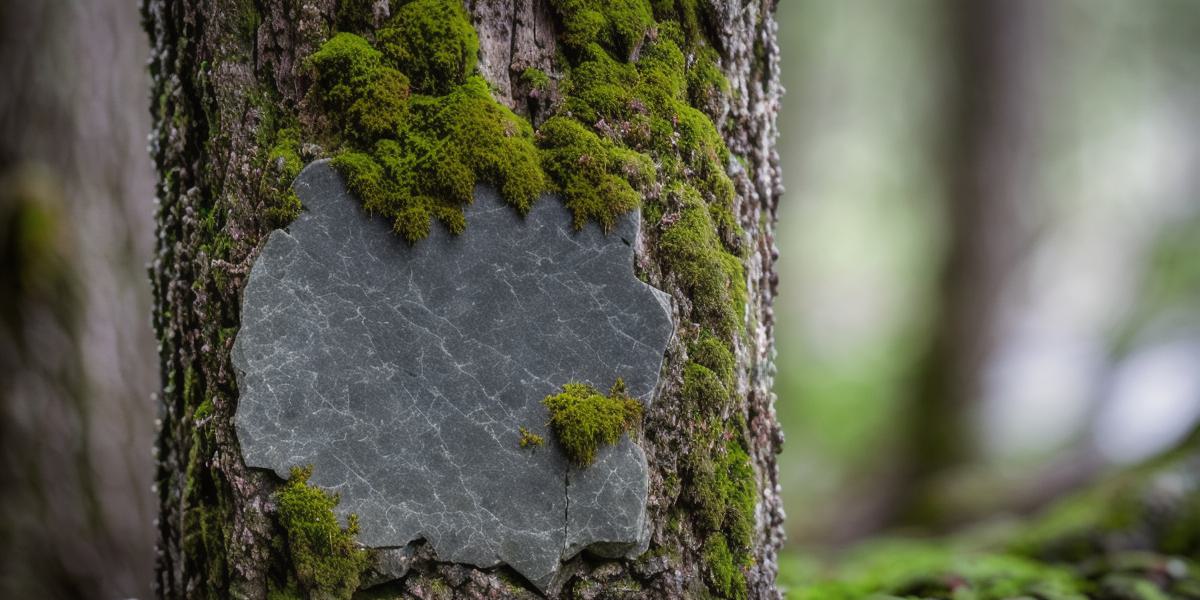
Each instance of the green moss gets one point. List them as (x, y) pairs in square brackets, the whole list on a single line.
[(582, 418), (618, 25), (683, 20), (713, 354), (1158, 504), (284, 594), (203, 411), (706, 83), (726, 494), (283, 165), (724, 573), (412, 157), (917, 570), (430, 168), (703, 389), (366, 97), (433, 42), (326, 558), (741, 496), (536, 78), (1112, 541), (248, 21), (355, 15), (416, 129), (595, 176), (696, 256), (530, 439)]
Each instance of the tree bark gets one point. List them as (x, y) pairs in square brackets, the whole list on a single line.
[(225, 73)]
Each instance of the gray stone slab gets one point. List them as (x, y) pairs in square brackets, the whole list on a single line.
[(403, 373)]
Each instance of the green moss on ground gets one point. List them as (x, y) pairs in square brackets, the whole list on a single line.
[(326, 559), (1131, 537), (582, 418), (916, 570)]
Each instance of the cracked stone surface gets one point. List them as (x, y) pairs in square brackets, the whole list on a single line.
[(403, 373)]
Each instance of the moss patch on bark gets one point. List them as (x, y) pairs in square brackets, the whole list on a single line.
[(417, 130)]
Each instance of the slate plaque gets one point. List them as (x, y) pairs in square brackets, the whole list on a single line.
[(403, 374)]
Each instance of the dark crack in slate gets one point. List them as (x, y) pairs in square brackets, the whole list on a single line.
[(403, 374)]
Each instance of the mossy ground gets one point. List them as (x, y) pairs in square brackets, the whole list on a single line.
[(1132, 537), (583, 419)]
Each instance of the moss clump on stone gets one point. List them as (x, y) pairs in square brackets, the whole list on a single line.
[(530, 439), (582, 418), (417, 130), (326, 558)]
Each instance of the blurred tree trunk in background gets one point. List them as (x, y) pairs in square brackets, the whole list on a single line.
[(76, 351), (227, 76), (990, 109)]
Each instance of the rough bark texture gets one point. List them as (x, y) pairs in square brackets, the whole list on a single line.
[(226, 74)]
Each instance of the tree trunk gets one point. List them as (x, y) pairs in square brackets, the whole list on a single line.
[(990, 94), (76, 352), (230, 76)]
